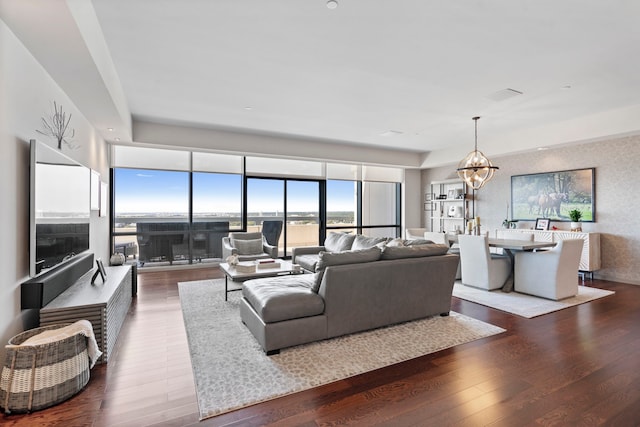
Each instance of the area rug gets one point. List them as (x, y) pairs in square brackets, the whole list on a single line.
[(231, 371), (525, 305)]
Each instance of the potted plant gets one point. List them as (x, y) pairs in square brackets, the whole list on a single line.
[(575, 215)]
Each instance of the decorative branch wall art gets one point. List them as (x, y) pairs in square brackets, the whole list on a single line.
[(57, 126)]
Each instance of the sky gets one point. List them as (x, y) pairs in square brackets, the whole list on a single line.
[(154, 191)]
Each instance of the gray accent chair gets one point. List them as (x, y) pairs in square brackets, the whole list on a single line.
[(271, 229), (248, 246)]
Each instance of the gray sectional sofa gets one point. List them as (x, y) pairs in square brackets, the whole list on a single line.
[(350, 291)]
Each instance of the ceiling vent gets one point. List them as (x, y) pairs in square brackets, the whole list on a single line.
[(504, 94)]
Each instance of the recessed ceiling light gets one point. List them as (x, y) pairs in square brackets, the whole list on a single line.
[(332, 4), (110, 129), (248, 108), (117, 139), (391, 133), (503, 94), (542, 148)]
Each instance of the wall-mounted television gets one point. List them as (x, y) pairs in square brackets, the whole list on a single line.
[(60, 208)]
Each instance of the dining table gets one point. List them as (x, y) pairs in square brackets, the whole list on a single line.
[(509, 246)]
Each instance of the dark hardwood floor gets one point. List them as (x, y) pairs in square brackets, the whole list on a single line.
[(576, 367)]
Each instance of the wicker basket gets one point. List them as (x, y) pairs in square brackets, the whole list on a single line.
[(37, 377)]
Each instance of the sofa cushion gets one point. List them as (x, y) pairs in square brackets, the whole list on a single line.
[(364, 242), (414, 251), (283, 298), (399, 242), (338, 242), (248, 247), (327, 259)]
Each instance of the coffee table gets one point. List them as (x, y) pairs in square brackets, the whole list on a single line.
[(231, 273)]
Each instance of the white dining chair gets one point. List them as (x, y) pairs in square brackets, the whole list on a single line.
[(435, 237), (479, 268), (443, 239), (414, 233), (551, 274)]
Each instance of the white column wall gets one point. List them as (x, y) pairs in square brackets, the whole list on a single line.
[(26, 95)]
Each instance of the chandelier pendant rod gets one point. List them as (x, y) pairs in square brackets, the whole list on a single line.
[(476, 169)]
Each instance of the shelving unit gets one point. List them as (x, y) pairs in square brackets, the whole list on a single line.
[(448, 207)]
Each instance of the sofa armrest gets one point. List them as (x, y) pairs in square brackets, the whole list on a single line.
[(271, 250), (305, 250), (227, 249)]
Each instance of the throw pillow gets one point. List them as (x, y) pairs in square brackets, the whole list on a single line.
[(248, 247), (364, 242), (397, 242), (415, 242), (338, 242), (326, 259), (416, 251)]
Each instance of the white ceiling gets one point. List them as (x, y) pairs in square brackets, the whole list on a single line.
[(420, 68)]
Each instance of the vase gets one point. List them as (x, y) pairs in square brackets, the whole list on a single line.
[(576, 226), (117, 259)]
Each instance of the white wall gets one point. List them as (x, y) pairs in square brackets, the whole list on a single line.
[(411, 206), (617, 202), (27, 92), (253, 143)]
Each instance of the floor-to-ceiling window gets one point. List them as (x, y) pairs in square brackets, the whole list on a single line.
[(380, 209), (381, 215), (364, 200), (294, 203), (303, 214), (290, 191), (151, 214), (342, 205), (173, 207), (265, 202), (179, 216)]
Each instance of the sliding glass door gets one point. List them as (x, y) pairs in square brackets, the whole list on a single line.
[(294, 204), (303, 213), (265, 205)]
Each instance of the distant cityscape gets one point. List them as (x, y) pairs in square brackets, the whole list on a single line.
[(129, 219)]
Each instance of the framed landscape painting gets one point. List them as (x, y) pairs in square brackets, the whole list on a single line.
[(553, 194)]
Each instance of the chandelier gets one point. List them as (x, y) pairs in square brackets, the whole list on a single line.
[(475, 169)]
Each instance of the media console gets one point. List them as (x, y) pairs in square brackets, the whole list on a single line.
[(105, 305)]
